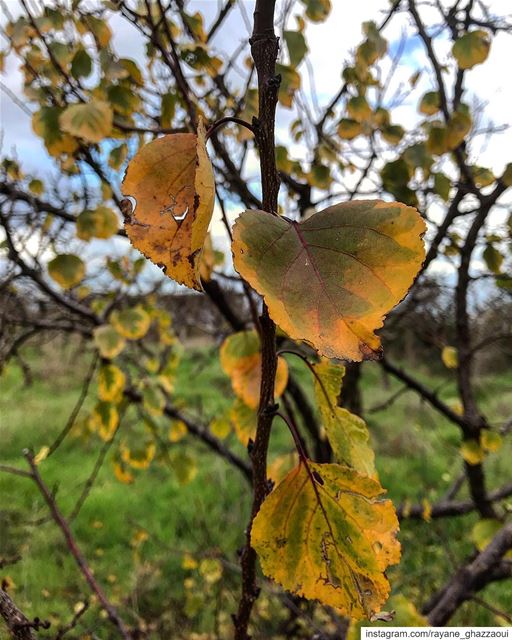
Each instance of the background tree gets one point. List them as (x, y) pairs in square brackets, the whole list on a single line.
[(68, 271)]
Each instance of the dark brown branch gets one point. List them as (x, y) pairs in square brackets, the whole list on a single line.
[(264, 49), (471, 578), (445, 508), (17, 623), (430, 396)]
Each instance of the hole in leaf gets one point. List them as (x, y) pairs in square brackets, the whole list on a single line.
[(127, 206)]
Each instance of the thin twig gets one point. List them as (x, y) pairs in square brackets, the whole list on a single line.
[(86, 571)]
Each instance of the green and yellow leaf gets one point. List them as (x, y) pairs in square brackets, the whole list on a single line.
[(358, 260), (91, 121), (108, 341), (132, 323), (67, 270), (101, 222), (111, 383), (328, 535), (472, 49)]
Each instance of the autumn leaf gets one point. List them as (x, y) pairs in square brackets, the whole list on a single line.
[(105, 419), (108, 341), (297, 47), (101, 222), (450, 357), (171, 180), (91, 121), (240, 357), (472, 49), (111, 383), (328, 535), (358, 260), (349, 129), (317, 10), (132, 323), (67, 270), (347, 433), (244, 420), (430, 103)]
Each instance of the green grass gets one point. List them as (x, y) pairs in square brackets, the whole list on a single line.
[(417, 457)]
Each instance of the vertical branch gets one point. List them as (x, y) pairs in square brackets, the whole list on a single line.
[(474, 422), (264, 49)]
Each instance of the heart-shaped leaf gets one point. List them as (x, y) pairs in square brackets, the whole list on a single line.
[(172, 181), (331, 279), (325, 533)]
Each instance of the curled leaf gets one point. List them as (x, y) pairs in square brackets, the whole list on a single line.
[(358, 260), (171, 180)]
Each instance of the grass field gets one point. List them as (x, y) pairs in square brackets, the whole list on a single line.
[(135, 536)]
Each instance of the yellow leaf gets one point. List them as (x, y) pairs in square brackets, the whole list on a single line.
[(211, 570), (45, 124), (220, 427), (41, 455), (458, 127), (450, 357), (133, 323), (347, 433), (290, 83), (91, 121), (140, 458), (245, 421), (240, 357), (359, 109), (105, 419), (430, 103), (331, 279), (171, 180), (100, 29), (122, 473), (108, 341), (484, 531), (328, 535), (427, 510), (111, 383), (67, 270), (102, 222), (188, 562), (282, 465), (490, 441), (472, 452), (177, 431), (471, 49)]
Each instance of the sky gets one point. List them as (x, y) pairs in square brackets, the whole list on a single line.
[(330, 44)]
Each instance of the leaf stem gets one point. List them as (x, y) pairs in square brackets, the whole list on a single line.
[(219, 123)]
